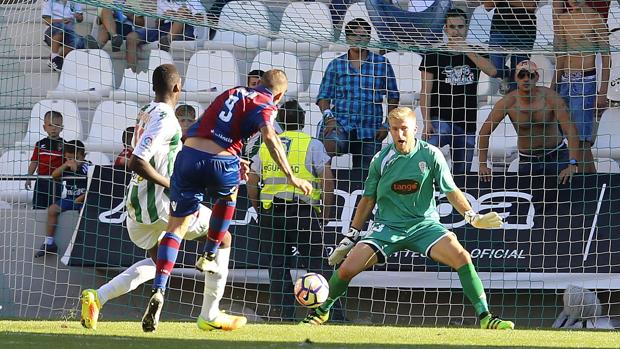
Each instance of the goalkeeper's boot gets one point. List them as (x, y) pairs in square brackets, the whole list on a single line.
[(316, 317), (493, 322), (150, 320), (206, 263), (223, 321), (90, 308)]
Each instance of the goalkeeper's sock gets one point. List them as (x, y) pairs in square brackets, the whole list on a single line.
[(473, 289), (215, 284), (337, 288), (221, 216), (127, 281), (166, 257)]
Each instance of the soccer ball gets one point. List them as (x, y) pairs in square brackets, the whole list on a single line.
[(311, 290)]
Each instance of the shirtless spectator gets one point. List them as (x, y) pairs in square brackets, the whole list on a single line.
[(535, 111), (581, 32)]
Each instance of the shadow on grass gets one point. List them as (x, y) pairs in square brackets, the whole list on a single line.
[(25, 340)]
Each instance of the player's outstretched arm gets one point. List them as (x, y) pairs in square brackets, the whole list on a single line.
[(490, 220), (145, 170), (363, 211), (276, 150)]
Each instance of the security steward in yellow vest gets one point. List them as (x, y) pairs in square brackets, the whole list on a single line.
[(290, 222)]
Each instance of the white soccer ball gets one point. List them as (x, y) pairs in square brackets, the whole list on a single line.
[(311, 290)]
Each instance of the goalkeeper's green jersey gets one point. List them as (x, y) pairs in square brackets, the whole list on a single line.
[(403, 185)]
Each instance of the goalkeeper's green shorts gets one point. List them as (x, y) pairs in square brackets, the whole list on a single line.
[(419, 238)]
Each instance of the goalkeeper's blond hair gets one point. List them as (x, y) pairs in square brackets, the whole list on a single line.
[(275, 80), (401, 113)]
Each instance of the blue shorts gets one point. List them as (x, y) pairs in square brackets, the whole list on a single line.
[(197, 173), (71, 39), (68, 204), (579, 93)]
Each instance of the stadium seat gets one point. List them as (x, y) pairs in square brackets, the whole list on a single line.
[(544, 28), (486, 87), (282, 60), (98, 158), (514, 166), (209, 73), (242, 14), (15, 162), (111, 118), (71, 121), (86, 75), (305, 29), (137, 87), (314, 118), (546, 69), (480, 26), (607, 143), (356, 10), (613, 18), (316, 75), (614, 76), (503, 141), (606, 165), (408, 77)]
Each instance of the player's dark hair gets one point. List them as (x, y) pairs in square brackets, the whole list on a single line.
[(74, 147), (291, 116), (52, 114), (256, 72), (164, 78), (456, 13), (128, 135), (357, 23), (187, 109)]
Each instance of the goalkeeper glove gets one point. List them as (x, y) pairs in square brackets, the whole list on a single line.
[(491, 220), (343, 248)]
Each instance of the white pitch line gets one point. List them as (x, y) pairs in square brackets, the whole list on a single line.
[(598, 208)]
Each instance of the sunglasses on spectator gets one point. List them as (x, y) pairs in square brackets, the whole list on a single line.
[(456, 26), (523, 73)]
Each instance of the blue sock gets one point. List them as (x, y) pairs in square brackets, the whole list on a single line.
[(166, 257)]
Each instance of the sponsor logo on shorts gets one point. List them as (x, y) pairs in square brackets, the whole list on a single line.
[(147, 141), (406, 186)]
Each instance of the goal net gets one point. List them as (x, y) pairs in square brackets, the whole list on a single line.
[(86, 66)]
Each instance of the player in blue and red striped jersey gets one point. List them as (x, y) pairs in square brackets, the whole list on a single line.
[(209, 164)]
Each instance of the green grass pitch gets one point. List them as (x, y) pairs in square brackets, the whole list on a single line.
[(185, 335)]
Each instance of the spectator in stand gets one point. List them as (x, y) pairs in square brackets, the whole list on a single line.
[(213, 14), (254, 77), (601, 6), (543, 123), (192, 10), (115, 26), (46, 157), (60, 16), (582, 32), (186, 114), (74, 166), (449, 95), (513, 27), (123, 158), (351, 97)]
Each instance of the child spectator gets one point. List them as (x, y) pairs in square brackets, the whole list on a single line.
[(61, 15), (75, 165), (46, 157), (123, 157), (186, 114), (254, 77)]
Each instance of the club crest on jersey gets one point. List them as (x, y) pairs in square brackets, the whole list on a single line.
[(422, 166), (406, 186), (147, 141)]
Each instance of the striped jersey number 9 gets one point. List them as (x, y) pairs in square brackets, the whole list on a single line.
[(226, 114)]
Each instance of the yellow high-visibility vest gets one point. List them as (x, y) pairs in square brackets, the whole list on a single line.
[(296, 145)]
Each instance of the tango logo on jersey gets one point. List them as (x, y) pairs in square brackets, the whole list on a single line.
[(406, 186)]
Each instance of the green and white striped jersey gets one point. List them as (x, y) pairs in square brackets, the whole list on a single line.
[(157, 139)]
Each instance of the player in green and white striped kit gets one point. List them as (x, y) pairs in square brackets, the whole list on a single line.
[(401, 181), (156, 142)]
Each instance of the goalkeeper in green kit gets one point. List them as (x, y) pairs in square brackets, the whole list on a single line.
[(401, 181)]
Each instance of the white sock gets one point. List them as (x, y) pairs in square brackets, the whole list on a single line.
[(215, 284), (49, 240), (54, 55), (127, 281)]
